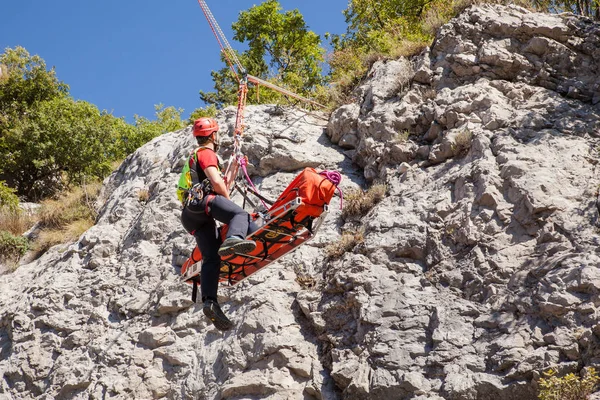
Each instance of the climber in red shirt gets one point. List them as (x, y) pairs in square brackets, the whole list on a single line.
[(200, 212)]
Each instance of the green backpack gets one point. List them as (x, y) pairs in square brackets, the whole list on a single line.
[(189, 176), (189, 179)]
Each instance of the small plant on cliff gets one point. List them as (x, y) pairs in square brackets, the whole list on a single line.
[(462, 142), (401, 137), (359, 202), (143, 195), (569, 387), (347, 242), (12, 247)]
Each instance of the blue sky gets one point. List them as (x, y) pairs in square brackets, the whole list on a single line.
[(125, 56)]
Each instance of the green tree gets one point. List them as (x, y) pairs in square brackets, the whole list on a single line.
[(281, 49), (60, 142), (372, 25), (383, 29), (48, 140), (168, 119), (24, 82), (208, 111)]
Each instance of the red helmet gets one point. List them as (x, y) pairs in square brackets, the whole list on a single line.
[(205, 126)]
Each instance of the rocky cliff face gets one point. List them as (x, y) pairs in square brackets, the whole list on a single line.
[(478, 270)]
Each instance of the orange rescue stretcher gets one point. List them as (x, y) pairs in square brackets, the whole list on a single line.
[(292, 220)]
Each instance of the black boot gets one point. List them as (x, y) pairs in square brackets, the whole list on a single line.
[(234, 245), (212, 310)]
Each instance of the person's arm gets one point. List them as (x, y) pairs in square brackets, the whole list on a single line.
[(213, 175)]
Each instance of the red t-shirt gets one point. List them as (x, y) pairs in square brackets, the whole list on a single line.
[(207, 158)]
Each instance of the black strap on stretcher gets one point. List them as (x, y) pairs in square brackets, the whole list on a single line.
[(194, 289)]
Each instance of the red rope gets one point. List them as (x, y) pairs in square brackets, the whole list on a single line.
[(233, 62)]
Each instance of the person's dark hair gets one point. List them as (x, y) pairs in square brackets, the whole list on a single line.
[(202, 140)]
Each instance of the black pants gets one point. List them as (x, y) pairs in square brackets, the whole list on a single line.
[(203, 227)]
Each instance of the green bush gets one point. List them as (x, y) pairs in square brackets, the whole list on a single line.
[(65, 218), (49, 141), (569, 387), (12, 247), (168, 119), (61, 141), (8, 198)]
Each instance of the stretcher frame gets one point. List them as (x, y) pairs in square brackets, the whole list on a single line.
[(274, 240)]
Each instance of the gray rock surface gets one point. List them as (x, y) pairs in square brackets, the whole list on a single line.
[(478, 271), (106, 316)]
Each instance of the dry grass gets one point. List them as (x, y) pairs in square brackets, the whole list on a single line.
[(359, 203), (65, 218), (462, 142), (347, 242), (47, 239), (68, 233), (16, 222), (143, 195), (408, 48), (61, 220), (75, 205), (304, 279)]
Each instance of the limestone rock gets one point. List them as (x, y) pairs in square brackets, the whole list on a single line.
[(475, 273)]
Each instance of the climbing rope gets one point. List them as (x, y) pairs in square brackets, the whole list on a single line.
[(243, 78), (335, 178), (226, 48), (243, 161), (258, 81)]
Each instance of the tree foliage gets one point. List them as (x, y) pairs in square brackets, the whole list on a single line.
[(281, 49), (168, 119), (8, 198), (587, 8), (25, 82), (208, 111), (388, 28), (369, 23), (60, 142), (48, 140)]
